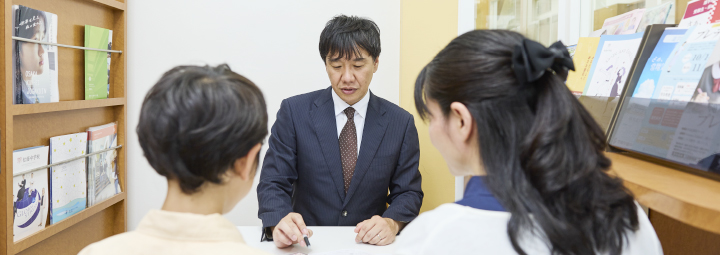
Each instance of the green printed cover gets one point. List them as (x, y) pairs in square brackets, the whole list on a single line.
[(97, 63)]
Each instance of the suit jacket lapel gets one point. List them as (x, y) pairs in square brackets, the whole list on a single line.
[(323, 117), (373, 133)]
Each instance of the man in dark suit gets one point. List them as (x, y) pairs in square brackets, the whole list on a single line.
[(335, 153)]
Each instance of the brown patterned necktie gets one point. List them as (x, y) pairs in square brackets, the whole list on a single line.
[(348, 147)]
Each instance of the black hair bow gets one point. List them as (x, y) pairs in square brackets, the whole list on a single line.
[(531, 59)]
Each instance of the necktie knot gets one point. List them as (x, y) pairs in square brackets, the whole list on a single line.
[(349, 112)]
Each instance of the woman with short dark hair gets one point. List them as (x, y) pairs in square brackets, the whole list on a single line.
[(202, 129), (500, 112)]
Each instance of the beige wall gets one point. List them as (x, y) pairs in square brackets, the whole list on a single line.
[(426, 26)]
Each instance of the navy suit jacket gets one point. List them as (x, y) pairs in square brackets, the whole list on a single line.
[(302, 171)]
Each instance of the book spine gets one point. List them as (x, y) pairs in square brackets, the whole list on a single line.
[(90, 180), (17, 80), (50, 186)]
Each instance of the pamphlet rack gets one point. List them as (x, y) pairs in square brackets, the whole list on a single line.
[(28, 125)]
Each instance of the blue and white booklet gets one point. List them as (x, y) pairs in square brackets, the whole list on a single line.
[(68, 182), (30, 191), (651, 73)]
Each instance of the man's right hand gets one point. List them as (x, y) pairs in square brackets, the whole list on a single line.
[(290, 231)]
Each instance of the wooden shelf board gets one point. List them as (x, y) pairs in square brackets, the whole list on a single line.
[(51, 230), (685, 197), (112, 3), (22, 109)]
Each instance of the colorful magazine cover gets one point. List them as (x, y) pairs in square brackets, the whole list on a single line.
[(655, 15), (611, 66), (35, 66), (97, 63), (102, 168), (708, 87), (651, 72), (30, 191), (67, 181), (686, 64), (698, 13), (624, 24)]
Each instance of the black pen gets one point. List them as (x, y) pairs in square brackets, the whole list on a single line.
[(307, 242)]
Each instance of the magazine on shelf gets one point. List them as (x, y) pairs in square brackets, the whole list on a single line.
[(685, 66), (651, 72), (102, 168), (655, 15), (610, 68), (67, 181), (35, 66), (97, 63), (30, 191), (583, 59), (698, 13), (624, 24)]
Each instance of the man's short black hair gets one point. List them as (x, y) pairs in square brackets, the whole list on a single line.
[(196, 121), (347, 35)]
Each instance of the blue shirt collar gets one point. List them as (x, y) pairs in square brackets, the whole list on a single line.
[(479, 197)]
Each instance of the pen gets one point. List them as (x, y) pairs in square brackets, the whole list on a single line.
[(307, 242)]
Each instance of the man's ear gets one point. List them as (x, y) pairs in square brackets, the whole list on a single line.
[(376, 63), (243, 167)]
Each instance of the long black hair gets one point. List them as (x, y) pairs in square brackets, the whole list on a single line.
[(541, 150)]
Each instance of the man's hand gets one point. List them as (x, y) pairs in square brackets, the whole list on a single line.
[(290, 231), (377, 230)]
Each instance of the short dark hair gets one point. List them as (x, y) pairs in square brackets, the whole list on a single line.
[(541, 149), (347, 35), (197, 120)]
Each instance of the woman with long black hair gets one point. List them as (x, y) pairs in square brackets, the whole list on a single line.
[(499, 111)]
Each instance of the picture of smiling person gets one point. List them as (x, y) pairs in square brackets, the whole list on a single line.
[(34, 64)]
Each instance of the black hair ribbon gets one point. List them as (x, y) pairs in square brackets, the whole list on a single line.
[(531, 59)]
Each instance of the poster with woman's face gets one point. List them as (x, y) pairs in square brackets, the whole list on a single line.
[(35, 65)]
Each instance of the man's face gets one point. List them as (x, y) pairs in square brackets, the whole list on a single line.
[(350, 76)]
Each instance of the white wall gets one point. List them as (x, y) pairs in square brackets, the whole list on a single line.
[(273, 43)]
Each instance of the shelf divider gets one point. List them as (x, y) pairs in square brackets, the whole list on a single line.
[(23, 109), (112, 3)]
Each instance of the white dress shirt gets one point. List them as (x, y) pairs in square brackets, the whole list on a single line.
[(360, 111), (456, 229)]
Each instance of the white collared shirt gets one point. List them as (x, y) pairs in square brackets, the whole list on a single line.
[(360, 114)]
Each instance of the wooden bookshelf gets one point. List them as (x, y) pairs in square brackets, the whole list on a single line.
[(23, 126), (684, 208), (688, 198)]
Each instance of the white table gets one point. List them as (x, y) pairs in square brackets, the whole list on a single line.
[(324, 239)]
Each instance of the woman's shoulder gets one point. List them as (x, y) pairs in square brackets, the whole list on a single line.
[(644, 240), (456, 229), (448, 214), (116, 243), (462, 229)]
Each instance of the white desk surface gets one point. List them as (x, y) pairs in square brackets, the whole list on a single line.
[(324, 240)]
